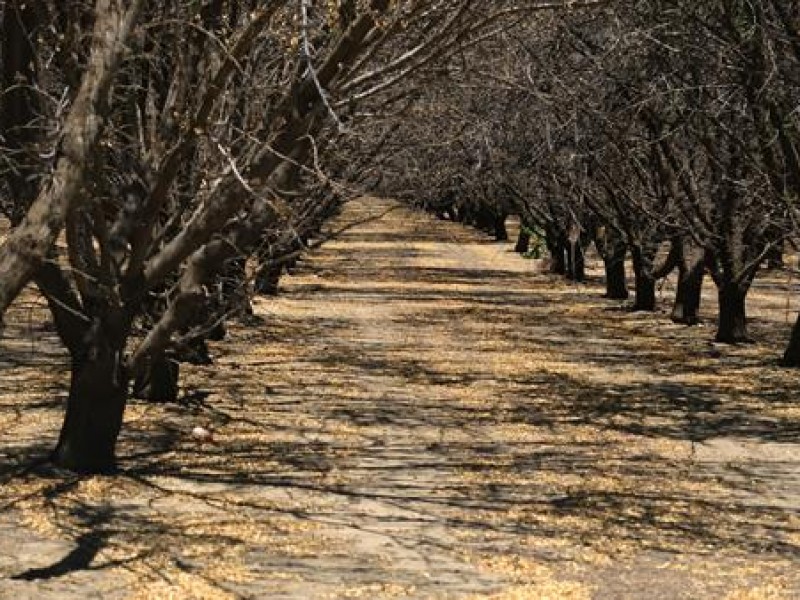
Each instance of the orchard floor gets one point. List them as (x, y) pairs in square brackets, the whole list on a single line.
[(422, 414)]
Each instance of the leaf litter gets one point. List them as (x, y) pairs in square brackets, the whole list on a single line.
[(424, 415)]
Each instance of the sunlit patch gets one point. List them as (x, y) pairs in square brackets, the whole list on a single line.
[(418, 411)]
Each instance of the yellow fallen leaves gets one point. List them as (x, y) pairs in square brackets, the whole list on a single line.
[(532, 580), (770, 591), (553, 590)]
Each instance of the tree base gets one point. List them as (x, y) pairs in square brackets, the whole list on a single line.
[(688, 320), (159, 382), (734, 339), (83, 466)]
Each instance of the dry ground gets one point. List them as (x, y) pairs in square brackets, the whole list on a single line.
[(423, 415)]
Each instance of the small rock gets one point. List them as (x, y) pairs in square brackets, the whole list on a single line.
[(202, 435)]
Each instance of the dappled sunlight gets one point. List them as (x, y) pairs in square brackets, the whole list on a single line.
[(425, 419)]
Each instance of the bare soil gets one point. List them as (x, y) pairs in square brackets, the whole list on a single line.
[(423, 414)]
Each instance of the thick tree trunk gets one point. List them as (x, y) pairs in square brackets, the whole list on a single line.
[(613, 250), (791, 358), (691, 271), (556, 247), (158, 382), (732, 326), (96, 403), (645, 294), (645, 284), (484, 219), (616, 281)]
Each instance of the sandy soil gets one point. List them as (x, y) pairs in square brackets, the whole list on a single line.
[(423, 415)]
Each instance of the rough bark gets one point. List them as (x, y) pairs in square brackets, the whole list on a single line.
[(203, 265), (96, 402), (29, 243)]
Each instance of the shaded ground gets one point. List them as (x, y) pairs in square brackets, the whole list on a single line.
[(424, 416)]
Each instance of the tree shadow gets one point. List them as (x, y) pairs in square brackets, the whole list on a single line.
[(87, 546), (471, 409)]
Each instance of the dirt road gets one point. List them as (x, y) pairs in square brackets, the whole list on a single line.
[(422, 415)]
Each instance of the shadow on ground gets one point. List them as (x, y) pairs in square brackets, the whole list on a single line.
[(417, 412)]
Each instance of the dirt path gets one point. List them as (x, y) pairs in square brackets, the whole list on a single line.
[(423, 416)]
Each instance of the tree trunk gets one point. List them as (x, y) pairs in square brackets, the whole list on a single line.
[(557, 250), (645, 284), (500, 231), (484, 219), (558, 264), (691, 271), (576, 264), (96, 403), (616, 282), (791, 358), (732, 326), (613, 250), (775, 257), (158, 382), (523, 241), (266, 282)]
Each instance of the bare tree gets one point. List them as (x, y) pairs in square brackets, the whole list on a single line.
[(189, 138)]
